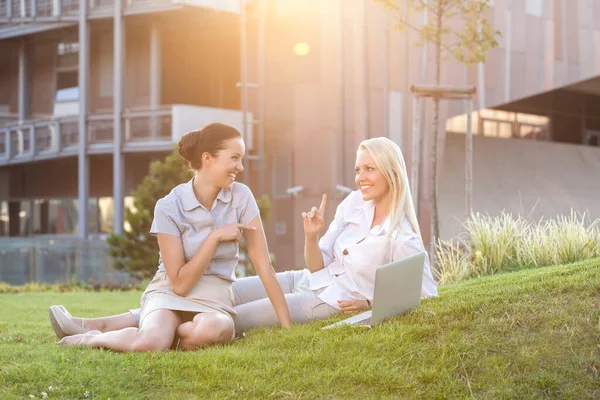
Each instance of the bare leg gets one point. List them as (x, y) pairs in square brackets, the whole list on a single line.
[(156, 334), (204, 330), (108, 324)]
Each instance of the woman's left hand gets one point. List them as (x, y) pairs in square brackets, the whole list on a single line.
[(350, 306)]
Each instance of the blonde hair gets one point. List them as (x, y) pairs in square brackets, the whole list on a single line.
[(389, 160)]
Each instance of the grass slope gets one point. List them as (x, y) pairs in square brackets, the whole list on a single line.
[(528, 334)]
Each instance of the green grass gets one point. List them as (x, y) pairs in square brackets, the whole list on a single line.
[(528, 334)]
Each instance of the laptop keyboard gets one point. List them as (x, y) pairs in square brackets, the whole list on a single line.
[(364, 322)]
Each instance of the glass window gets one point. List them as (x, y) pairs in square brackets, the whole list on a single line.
[(4, 220), (534, 7), (105, 214), (67, 70), (63, 216), (25, 218)]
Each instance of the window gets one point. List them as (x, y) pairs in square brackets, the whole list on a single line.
[(4, 220), (592, 138), (66, 101), (534, 7)]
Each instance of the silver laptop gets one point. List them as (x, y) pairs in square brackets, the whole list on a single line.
[(397, 290)]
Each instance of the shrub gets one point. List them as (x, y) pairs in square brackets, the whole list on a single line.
[(492, 244)]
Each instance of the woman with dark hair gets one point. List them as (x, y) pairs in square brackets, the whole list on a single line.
[(189, 302), (373, 226)]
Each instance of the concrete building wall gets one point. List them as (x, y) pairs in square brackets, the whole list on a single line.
[(532, 179)]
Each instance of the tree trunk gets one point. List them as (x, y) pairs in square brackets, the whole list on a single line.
[(433, 190)]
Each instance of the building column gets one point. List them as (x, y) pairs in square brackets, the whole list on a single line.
[(591, 38), (543, 46), (365, 73), (508, 52), (565, 51), (83, 164), (23, 82), (155, 68), (119, 54)]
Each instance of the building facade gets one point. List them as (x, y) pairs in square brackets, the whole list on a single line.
[(92, 91)]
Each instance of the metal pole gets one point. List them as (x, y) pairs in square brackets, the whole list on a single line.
[(469, 158), (119, 35), (8, 144), (82, 160), (543, 44), (592, 48), (244, 78), (154, 79), (481, 80), (23, 112), (423, 77), (564, 42), (261, 96), (507, 58), (367, 89), (414, 170), (342, 102), (404, 112), (386, 79)]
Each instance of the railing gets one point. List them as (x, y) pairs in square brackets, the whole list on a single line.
[(68, 132), (56, 259), (144, 129), (148, 124), (20, 140), (100, 128), (45, 138), (30, 10), (8, 118), (49, 136)]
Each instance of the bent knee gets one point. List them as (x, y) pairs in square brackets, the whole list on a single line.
[(151, 342), (207, 329)]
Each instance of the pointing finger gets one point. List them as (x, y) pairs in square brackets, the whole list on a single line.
[(323, 203)]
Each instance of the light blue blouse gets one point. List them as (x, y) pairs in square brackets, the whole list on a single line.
[(180, 214)]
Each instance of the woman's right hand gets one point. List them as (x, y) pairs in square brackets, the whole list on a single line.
[(313, 220), (231, 232)]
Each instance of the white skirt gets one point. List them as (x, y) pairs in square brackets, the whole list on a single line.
[(211, 294)]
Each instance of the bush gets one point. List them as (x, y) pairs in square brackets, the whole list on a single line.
[(75, 286), (505, 242)]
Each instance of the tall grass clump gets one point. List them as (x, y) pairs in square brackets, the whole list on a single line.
[(491, 244)]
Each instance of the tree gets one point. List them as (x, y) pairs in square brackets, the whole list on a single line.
[(136, 251), (459, 29)]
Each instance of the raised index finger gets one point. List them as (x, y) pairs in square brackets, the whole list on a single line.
[(322, 206), (242, 226)]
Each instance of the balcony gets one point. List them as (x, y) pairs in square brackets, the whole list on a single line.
[(144, 129), (14, 13)]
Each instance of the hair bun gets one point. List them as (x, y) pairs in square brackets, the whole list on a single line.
[(182, 150)]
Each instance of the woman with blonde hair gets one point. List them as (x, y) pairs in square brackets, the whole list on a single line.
[(373, 226)]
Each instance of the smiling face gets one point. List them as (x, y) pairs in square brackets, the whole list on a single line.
[(227, 163), (369, 179)]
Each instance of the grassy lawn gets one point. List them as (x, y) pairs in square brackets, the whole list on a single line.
[(528, 334)]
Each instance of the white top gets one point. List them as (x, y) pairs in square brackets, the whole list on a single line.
[(180, 214), (352, 251)]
